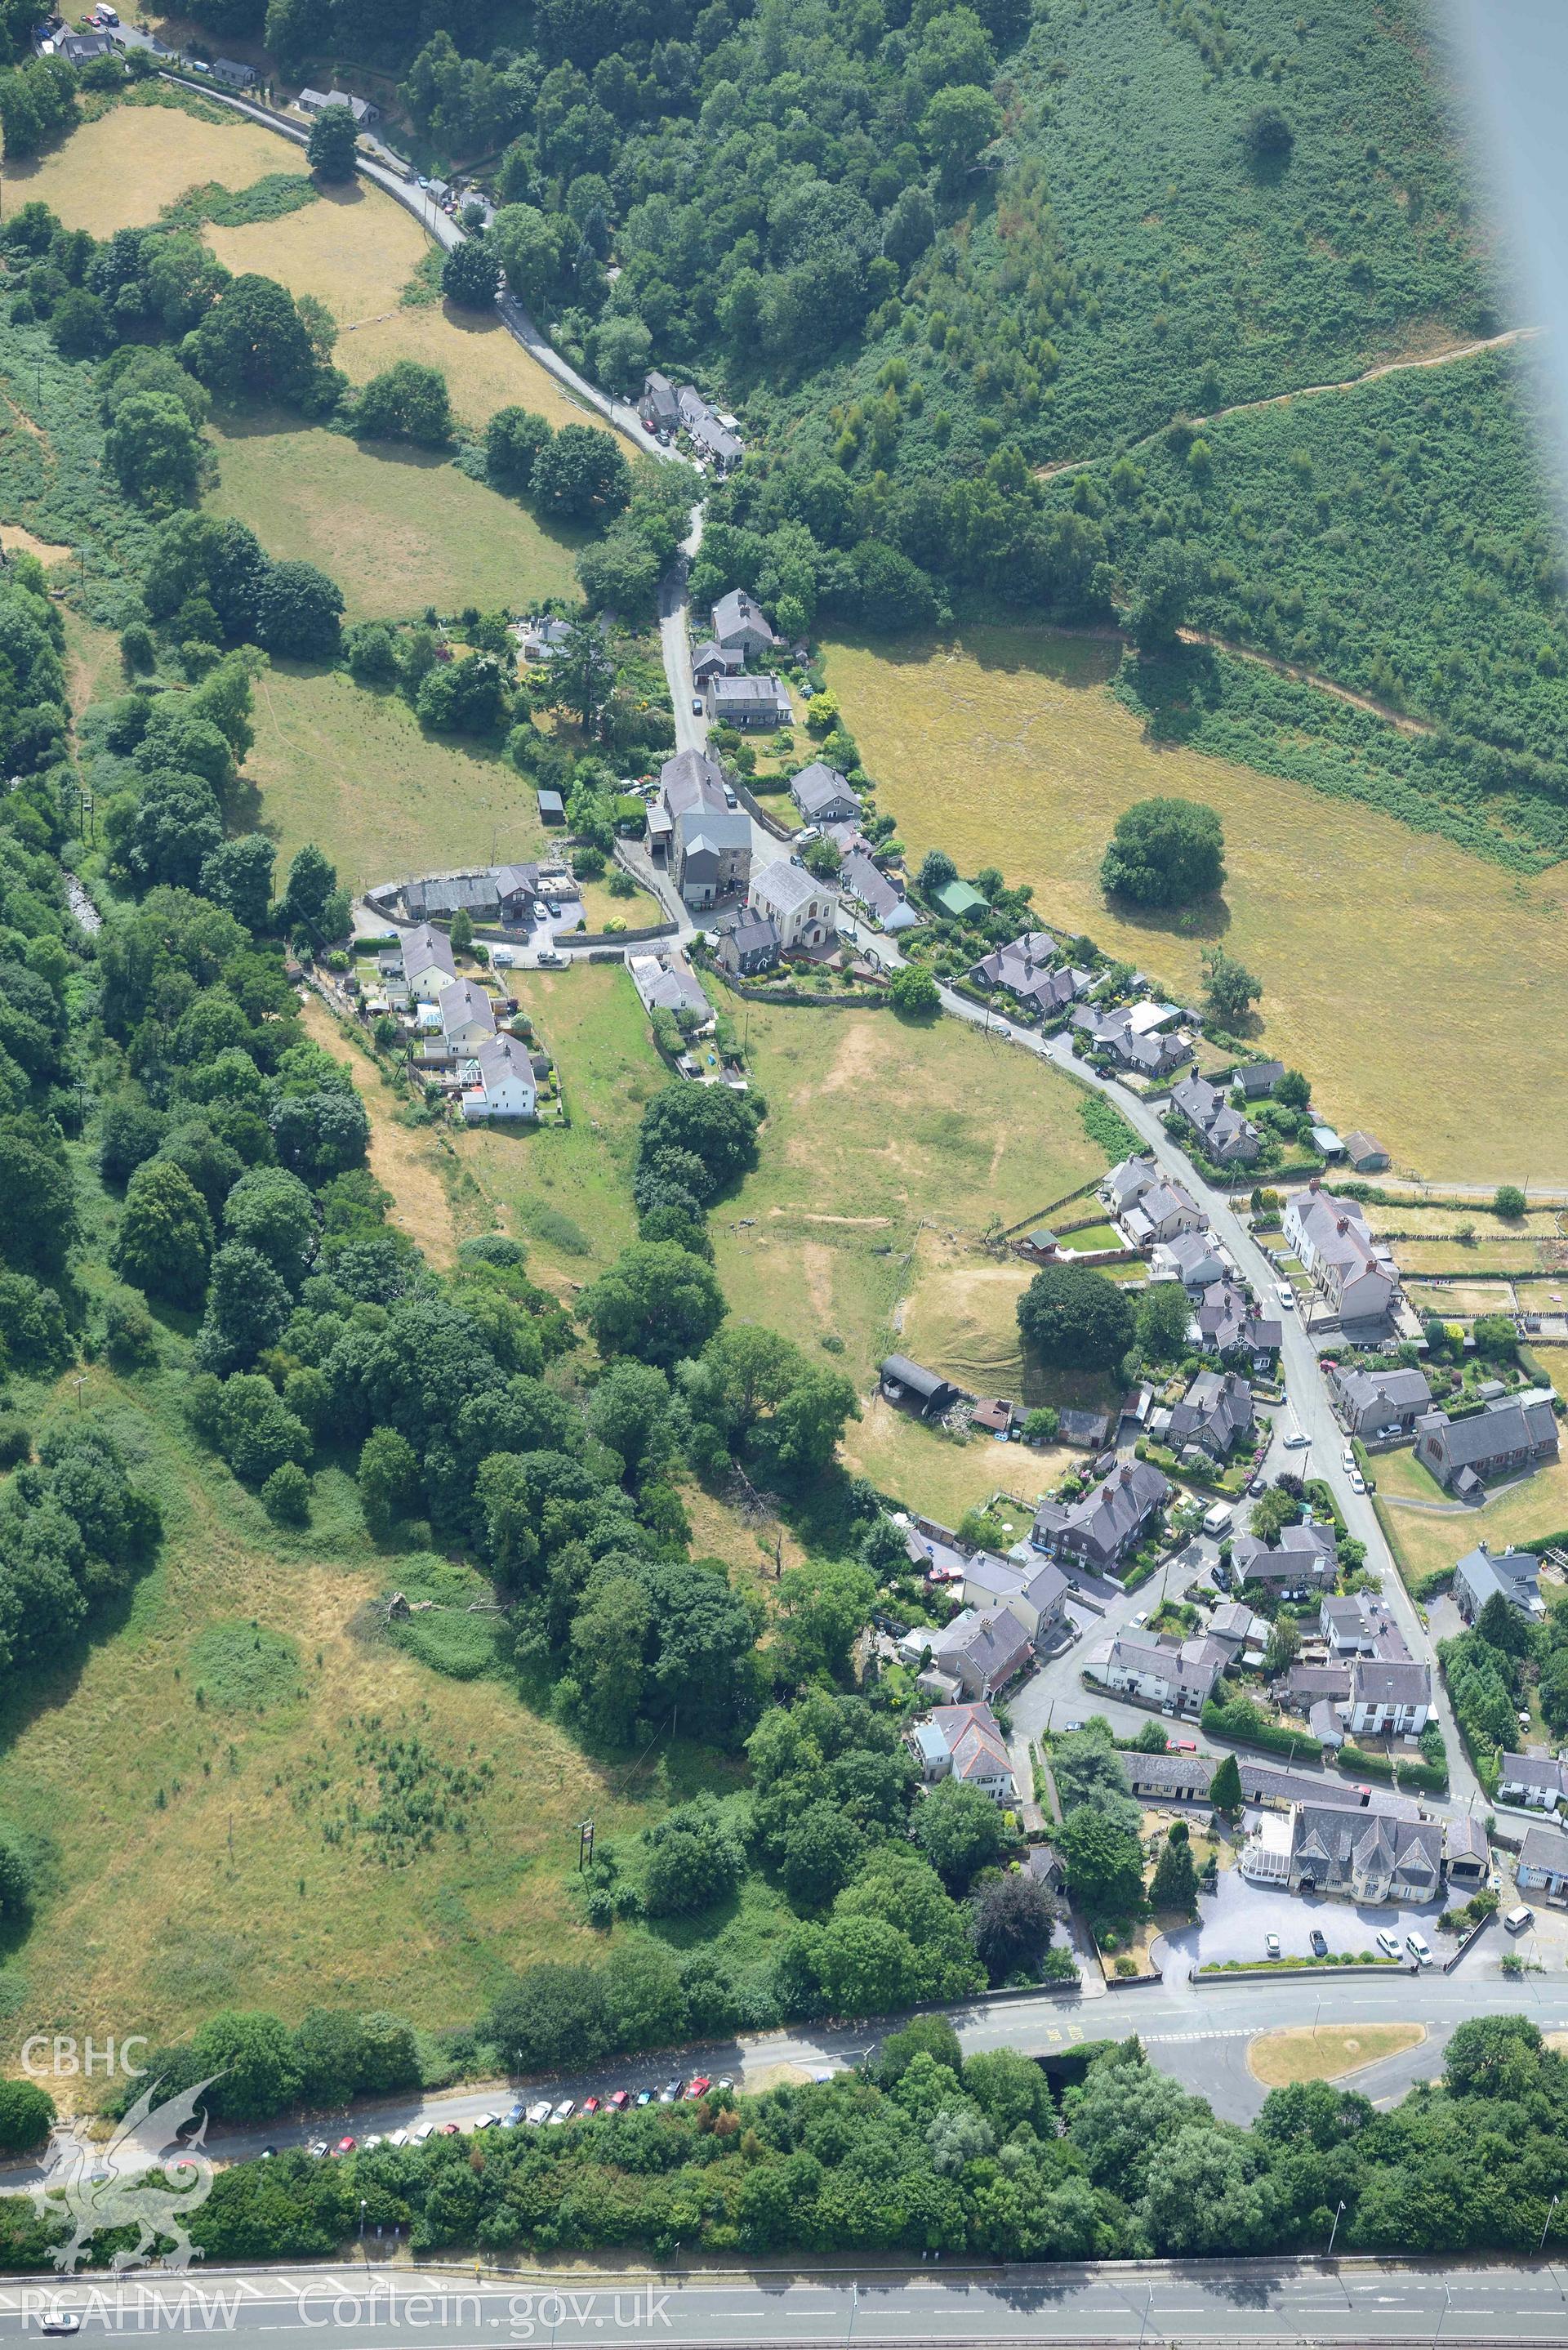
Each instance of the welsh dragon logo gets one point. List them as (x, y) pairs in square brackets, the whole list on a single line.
[(98, 2188)]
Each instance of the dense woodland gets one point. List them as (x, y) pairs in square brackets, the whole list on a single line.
[(1098, 2157)]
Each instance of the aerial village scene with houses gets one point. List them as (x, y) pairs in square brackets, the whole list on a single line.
[(785, 1298)]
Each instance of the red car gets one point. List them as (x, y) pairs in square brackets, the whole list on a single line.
[(618, 2100), (699, 2086), (451, 2129), (590, 2104), (345, 2145)]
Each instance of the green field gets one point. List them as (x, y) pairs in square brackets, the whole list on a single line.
[(1000, 745), (567, 1192), (187, 1869), (398, 528), (1534, 1507), (352, 769)]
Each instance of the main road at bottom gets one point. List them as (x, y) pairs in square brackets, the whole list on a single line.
[(1234, 2303), (1198, 2034)]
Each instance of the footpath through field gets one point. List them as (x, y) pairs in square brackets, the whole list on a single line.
[(1447, 357)]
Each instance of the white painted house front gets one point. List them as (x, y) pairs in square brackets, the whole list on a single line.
[(802, 907), (499, 1082)]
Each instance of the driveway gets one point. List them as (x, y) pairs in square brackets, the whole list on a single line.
[(1233, 1920)]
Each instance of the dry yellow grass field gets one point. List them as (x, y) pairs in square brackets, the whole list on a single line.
[(1439, 1223), (121, 171), (1004, 748), (875, 1129), (406, 1159), (356, 249), (1487, 1253), (398, 528), (1278, 2058), (485, 369), (352, 771), (931, 1473)]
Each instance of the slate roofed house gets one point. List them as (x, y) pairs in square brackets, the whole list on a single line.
[(904, 1381), (1170, 1778), (691, 779), (958, 900), (710, 435), (498, 1082), (802, 906), (1108, 1522), (711, 661), (1509, 1433), (860, 879), (1258, 1078), (1365, 1155), (659, 408), (1190, 1258), (81, 49), (1027, 970), (316, 101), (1371, 1402), (1484, 1573), (1228, 1139), (823, 796), (1049, 992), (1305, 1559), (1134, 1035), (1178, 1676), (964, 1743), (540, 638), (983, 1652), (1228, 1322), (441, 895), (748, 701), (518, 890), (740, 624), (1360, 1625), (1352, 1270), (1237, 1629), (1368, 1857), (1161, 1212), (711, 855), (748, 945), (427, 962), (1533, 1782), (1086, 1429), (666, 983), (1036, 1594), (231, 74), (1043, 1862), (1389, 1697), (1215, 1413), (1126, 1184), (467, 1016), (1542, 1864)]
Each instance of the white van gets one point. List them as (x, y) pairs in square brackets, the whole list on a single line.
[(1420, 1949), (1217, 1521), (1521, 1916)]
